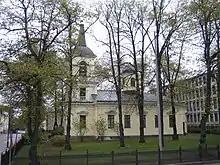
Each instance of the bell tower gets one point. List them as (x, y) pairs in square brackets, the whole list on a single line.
[(84, 64)]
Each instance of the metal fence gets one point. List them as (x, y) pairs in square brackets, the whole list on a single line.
[(129, 158), (11, 152)]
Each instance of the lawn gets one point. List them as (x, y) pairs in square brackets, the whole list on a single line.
[(94, 147), (186, 142)]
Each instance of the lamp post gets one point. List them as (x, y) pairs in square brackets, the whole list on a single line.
[(158, 96)]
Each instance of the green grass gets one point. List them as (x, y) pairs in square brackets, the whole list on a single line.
[(46, 149), (186, 142)]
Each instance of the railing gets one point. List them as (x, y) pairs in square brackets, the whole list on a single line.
[(129, 158), (11, 152)]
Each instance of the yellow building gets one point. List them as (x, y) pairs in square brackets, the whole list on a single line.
[(90, 104)]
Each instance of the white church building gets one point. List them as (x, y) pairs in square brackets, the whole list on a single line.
[(91, 104)]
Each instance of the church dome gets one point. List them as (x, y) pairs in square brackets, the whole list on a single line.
[(81, 49), (84, 51)]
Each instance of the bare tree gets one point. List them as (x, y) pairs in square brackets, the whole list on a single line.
[(204, 15), (112, 21), (137, 26), (173, 71)]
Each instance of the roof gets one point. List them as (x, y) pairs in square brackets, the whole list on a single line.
[(110, 96), (84, 51), (81, 49)]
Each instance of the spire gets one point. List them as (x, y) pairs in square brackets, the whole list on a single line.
[(81, 38)]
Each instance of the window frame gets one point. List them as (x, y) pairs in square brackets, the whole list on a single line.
[(156, 121), (82, 120), (83, 69), (127, 121), (111, 121)]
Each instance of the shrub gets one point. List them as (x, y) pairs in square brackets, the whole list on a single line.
[(58, 140), (26, 139), (58, 131)]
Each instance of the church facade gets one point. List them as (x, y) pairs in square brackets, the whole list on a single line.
[(90, 104)]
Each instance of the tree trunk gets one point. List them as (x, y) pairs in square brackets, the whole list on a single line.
[(218, 67), (161, 104), (207, 108), (68, 126), (33, 158), (55, 109), (141, 118), (37, 121), (62, 107), (206, 38), (29, 109), (218, 84), (121, 128), (175, 135)]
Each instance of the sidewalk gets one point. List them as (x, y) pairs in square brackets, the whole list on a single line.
[(213, 162)]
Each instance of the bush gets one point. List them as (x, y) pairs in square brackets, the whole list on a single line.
[(26, 139), (58, 131), (58, 140)]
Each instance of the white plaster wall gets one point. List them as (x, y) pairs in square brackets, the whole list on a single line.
[(94, 110)]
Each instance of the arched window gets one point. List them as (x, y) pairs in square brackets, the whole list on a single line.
[(82, 68), (132, 82)]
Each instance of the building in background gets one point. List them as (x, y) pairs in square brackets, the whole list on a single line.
[(3, 122), (194, 97)]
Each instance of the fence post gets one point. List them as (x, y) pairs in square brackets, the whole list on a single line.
[(200, 152), (206, 149), (159, 156), (180, 153), (137, 161), (60, 162), (87, 157), (113, 157), (218, 152)]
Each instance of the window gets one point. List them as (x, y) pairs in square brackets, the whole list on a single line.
[(132, 82), (211, 117), (82, 68), (195, 119), (82, 93), (197, 104), (111, 121), (205, 91), (201, 92), (190, 106), (82, 121), (200, 80), (202, 106), (197, 93), (194, 106), (171, 120), (191, 118), (214, 103), (127, 121), (145, 121), (196, 82), (198, 117), (216, 117), (204, 79), (187, 117), (213, 90), (156, 121)]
